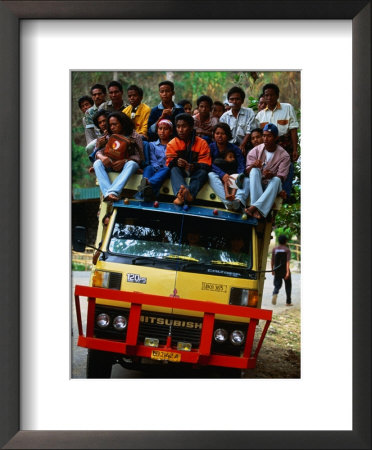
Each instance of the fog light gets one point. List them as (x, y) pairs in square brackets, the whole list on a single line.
[(120, 323), (237, 337), (103, 320), (185, 346), (220, 335), (151, 342)]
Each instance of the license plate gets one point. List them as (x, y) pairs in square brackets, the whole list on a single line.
[(165, 356)]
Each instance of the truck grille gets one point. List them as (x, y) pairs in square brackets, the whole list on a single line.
[(157, 325), (181, 328)]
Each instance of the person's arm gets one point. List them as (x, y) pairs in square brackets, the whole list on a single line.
[(244, 143), (153, 159), (284, 166), (153, 118), (272, 261), (239, 159), (294, 139), (293, 126), (288, 271), (204, 157), (171, 154), (144, 118)]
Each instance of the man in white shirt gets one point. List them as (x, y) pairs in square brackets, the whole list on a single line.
[(240, 120), (284, 117)]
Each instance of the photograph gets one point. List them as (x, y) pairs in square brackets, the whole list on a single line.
[(186, 224)]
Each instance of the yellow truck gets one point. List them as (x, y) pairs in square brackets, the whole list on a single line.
[(174, 285)]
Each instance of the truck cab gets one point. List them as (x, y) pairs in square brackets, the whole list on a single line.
[(175, 284)]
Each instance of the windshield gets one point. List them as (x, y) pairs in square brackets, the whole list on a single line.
[(192, 239)]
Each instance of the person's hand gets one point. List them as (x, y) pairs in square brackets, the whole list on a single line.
[(182, 162), (287, 276), (101, 142), (257, 163), (118, 165), (295, 155), (106, 161), (166, 113), (226, 178), (243, 149), (267, 174)]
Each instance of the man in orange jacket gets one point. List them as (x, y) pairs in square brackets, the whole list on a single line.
[(187, 156)]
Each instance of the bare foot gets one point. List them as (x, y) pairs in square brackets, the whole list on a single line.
[(187, 196), (111, 198), (283, 194), (257, 214), (230, 197), (180, 199), (250, 211)]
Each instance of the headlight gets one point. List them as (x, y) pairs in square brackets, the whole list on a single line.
[(237, 337), (220, 335), (103, 320), (243, 297), (120, 323), (238, 296)]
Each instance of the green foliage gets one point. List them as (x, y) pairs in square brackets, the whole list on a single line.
[(79, 167), (78, 267)]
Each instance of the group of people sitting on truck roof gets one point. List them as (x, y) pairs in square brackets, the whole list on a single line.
[(240, 153)]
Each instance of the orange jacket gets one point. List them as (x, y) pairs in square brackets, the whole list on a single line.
[(199, 155)]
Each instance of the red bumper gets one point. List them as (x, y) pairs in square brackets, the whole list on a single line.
[(201, 356)]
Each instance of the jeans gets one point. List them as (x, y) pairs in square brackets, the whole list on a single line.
[(197, 180), (288, 286), (130, 167), (240, 196), (263, 197), (156, 178)]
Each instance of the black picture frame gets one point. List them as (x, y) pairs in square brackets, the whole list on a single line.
[(11, 12)]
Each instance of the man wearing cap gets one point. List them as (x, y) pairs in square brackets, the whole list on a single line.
[(267, 168)]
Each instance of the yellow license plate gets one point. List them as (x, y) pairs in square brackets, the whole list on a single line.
[(165, 356)]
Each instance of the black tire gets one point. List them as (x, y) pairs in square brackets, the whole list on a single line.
[(99, 364)]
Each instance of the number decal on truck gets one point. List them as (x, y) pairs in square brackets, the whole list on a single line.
[(136, 278)]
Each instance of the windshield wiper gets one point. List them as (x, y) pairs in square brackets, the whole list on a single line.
[(182, 258), (229, 263), (149, 259)]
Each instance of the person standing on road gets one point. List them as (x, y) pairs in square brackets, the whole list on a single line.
[(280, 258)]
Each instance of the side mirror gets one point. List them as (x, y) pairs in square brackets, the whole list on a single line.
[(79, 239)]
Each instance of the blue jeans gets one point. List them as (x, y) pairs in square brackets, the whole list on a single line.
[(263, 196), (240, 196), (197, 180), (130, 167), (156, 177)]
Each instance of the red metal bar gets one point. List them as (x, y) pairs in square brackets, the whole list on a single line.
[(173, 302), (133, 324), (201, 355), (250, 337), (91, 314), (267, 324), (78, 315)]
